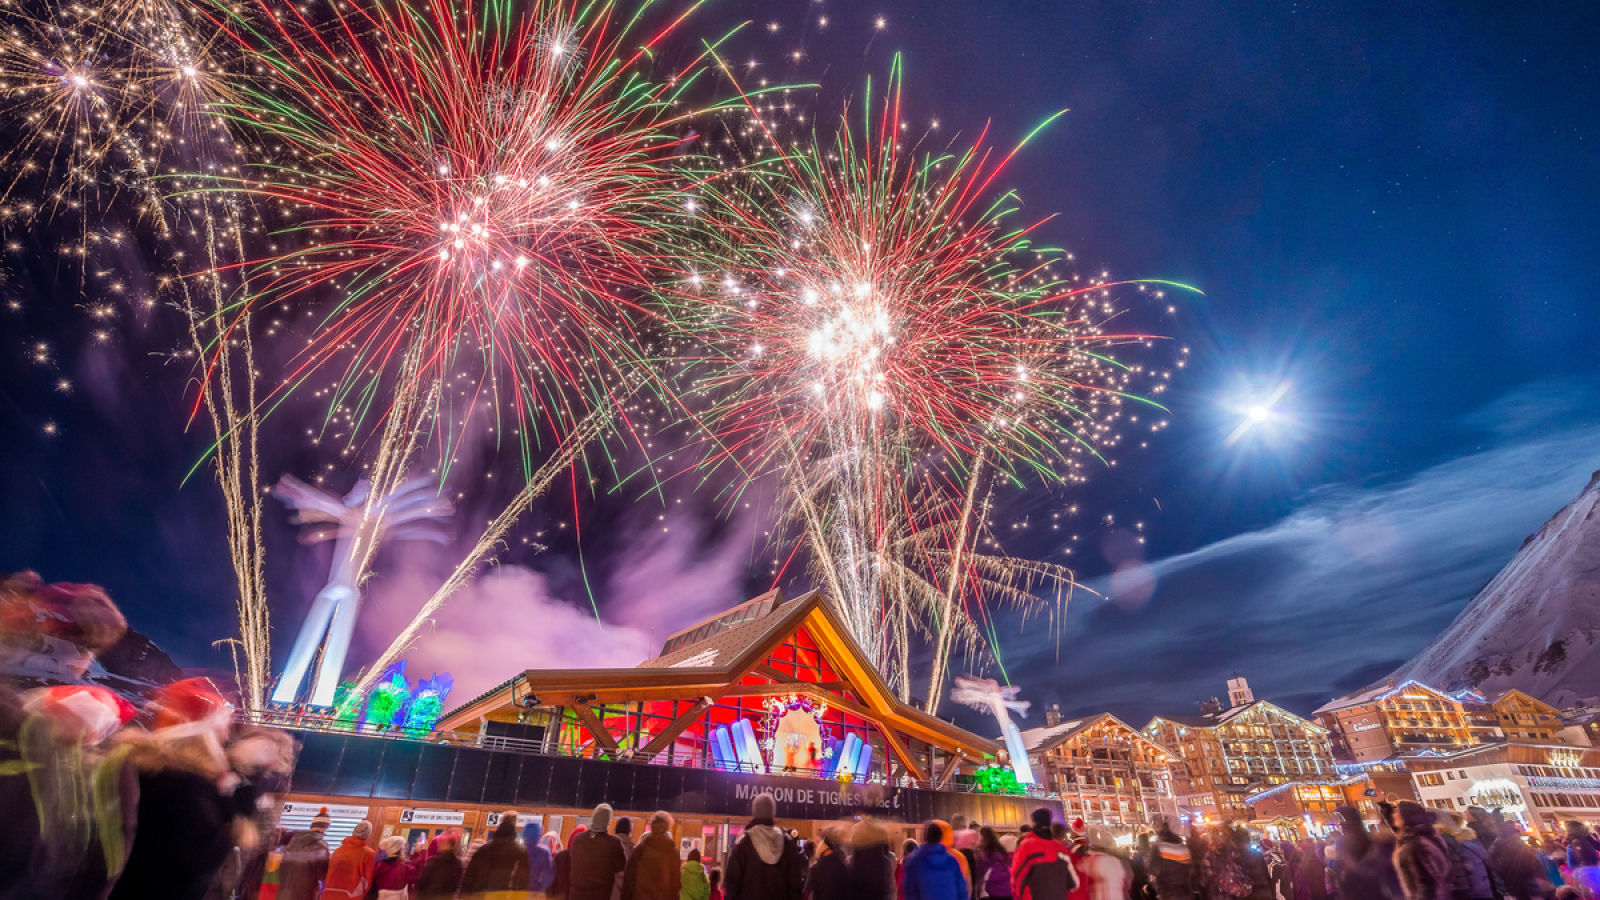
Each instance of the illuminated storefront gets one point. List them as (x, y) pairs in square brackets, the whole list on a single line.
[(1541, 785)]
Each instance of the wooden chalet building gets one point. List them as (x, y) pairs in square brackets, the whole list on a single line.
[(1104, 770), (772, 695)]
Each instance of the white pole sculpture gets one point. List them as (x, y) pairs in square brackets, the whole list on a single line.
[(356, 523), (986, 695)]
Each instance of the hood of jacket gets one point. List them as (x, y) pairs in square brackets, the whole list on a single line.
[(767, 841), (305, 840), (531, 833), (935, 858), (353, 842)]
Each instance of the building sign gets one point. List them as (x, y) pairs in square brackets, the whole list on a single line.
[(1365, 726), (434, 817), (334, 811), (1565, 759), (1587, 785)]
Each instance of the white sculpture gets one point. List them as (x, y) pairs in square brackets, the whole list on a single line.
[(356, 523), (986, 695)]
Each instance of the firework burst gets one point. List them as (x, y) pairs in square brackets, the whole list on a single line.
[(869, 323)]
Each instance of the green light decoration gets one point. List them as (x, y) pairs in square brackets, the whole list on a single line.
[(346, 703), (998, 780), (389, 697), (423, 713)]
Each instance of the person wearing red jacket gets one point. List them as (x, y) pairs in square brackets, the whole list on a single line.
[(394, 874), (350, 867), (1041, 869)]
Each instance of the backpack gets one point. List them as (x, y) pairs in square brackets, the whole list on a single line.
[(1233, 880)]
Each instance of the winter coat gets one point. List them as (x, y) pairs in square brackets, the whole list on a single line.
[(692, 883), (561, 881), (440, 878), (1278, 874), (994, 873), (829, 877), (499, 868), (1104, 875), (627, 854), (395, 874), (1423, 862), (305, 863), (1172, 871), (765, 864), (872, 873), (933, 872), (541, 862), (1518, 867), (1041, 869), (595, 859), (350, 871), (1310, 876), (1475, 859), (185, 830), (653, 871)]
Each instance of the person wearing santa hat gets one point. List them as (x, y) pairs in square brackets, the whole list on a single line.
[(193, 811), (69, 811)]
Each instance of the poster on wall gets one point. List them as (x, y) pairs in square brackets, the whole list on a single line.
[(685, 845)]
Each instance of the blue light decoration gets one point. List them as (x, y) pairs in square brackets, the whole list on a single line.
[(422, 713), (722, 750)]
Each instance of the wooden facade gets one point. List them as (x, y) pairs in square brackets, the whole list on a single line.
[(1105, 771)]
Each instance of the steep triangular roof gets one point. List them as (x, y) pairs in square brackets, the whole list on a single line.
[(1051, 736)]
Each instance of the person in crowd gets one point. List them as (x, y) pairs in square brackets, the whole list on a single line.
[(906, 849), (1310, 872), (1172, 871), (994, 866), (351, 866), (1553, 854), (949, 837), (561, 883), (964, 840), (541, 860), (766, 864), (1472, 879), (394, 874), (192, 809), (872, 863), (623, 829), (1099, 868), (1568, 892), (1583, 857), (1351, 858), (1255, 866), (1223, 875), (1420, 855), (499, 869), (934, 871), (1139, 864), (440, 876), (653, 871), (1041, 869), (692, 879), (1520, 872), (598, 859), (305, 861), (1482, 824), (714, 877), (1277, 866), (828, 875)]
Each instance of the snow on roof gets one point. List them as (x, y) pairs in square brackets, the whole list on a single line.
[(706, 657), (1383, 690), (1034, 738)]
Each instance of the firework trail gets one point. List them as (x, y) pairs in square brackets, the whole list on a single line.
[(869, 324), (473, 193)]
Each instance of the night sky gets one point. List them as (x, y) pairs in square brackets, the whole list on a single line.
[(1390, 210)]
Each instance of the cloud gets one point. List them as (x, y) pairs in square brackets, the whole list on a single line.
[(504, 622), (1355, 580)]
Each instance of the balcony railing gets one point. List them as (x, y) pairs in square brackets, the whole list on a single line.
[(301, 721)]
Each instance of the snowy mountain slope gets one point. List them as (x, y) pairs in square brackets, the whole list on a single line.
[(1536, 626)]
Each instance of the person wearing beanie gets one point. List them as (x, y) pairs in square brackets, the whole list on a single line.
[(692, 881), (596, 858), (305, 861), (395, 874), (766, 863), (935, 871), (653, 872), (350, 868), (624, 832), (1041, 869), (499, 869)]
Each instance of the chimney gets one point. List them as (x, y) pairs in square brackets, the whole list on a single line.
[(1239, 693), (1212, 707), (1052, 716)]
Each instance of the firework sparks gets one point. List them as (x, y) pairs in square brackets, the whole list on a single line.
[(873, 327)]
